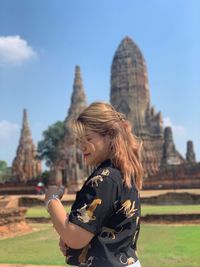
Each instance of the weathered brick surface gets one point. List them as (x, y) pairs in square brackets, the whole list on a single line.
[(164, 166), (25, 165), (12, 217)]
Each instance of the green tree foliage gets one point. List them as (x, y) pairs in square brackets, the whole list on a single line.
[(3, 165), (45, 177), (5, 171), (47, 148)]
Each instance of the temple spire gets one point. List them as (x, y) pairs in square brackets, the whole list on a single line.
[(25, 165), (129, 83), (190, 154), (25, 131), (170, 154), (78, 98), (71, 160)]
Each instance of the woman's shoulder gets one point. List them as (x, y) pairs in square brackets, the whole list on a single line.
[(108, 170)]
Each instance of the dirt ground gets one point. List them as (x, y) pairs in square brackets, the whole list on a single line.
[(13, 199), (151, 193), (145, 193)]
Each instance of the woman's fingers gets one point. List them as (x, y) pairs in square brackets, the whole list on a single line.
[(63, 247), (54, 190)]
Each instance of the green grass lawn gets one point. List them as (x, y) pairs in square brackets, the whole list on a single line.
[(158, 246), (146, 209), (38, 247), (164, 209), (169, 245), (39, 211)]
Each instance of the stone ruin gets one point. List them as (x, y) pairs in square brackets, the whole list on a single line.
[(25, 168), (12, 217), (190, 155), (26, 165), (70, 159), (130, 94), (164, 166)]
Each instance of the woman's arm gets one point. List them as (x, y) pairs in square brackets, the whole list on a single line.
[(73, 235)]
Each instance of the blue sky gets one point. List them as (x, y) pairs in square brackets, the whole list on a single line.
[(42, 41)]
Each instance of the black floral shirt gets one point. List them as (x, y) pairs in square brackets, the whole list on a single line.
[(111, 211)]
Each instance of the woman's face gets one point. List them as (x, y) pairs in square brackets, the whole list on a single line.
[(95, 148)]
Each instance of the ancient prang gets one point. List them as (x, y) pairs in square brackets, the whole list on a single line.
[(170, 155), (25, 165), (190, 155), (163, 165), (70, 159), (130, 95)]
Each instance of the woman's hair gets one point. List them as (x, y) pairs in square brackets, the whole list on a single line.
[(125, 148)]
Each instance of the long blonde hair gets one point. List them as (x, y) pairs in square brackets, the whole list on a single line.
[(125, 148)]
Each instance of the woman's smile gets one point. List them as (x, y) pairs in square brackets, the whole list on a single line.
[(86, 154), (95, 148)]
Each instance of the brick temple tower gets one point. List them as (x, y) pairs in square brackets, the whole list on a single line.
[(26, 165), (70, 160), (130, 95)]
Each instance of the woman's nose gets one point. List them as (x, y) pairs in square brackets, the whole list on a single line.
[(82, 147)]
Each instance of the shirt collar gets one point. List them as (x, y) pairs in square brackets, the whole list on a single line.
[(105, 163)]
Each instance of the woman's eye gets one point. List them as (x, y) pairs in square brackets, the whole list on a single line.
[(89, 139)]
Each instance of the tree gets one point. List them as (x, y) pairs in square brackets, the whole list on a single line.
[(45, 177), (3, 165), (5, 171), (47, 148)]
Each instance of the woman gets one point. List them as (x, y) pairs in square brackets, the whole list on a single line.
[(103, 225)]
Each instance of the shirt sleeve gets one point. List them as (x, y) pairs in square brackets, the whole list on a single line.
[(95, 202)]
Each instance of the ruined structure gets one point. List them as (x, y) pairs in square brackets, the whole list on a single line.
[(130, 95), (78, 99), (71, 162), (170, 154), (190, 155), (12, 217), (25, 165), (164, 166)]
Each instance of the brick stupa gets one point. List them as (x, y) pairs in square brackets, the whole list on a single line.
[(70, 159), (130, 95), (164, 166), (25, 165)]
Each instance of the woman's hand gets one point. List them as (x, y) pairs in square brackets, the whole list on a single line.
[(63, 247), (55, 186), (54, 190)]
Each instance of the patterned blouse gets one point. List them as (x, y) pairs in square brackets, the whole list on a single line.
[(111, 211)]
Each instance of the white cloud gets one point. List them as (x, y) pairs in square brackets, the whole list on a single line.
[(178, 130), (8, 130), (14, 50)]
